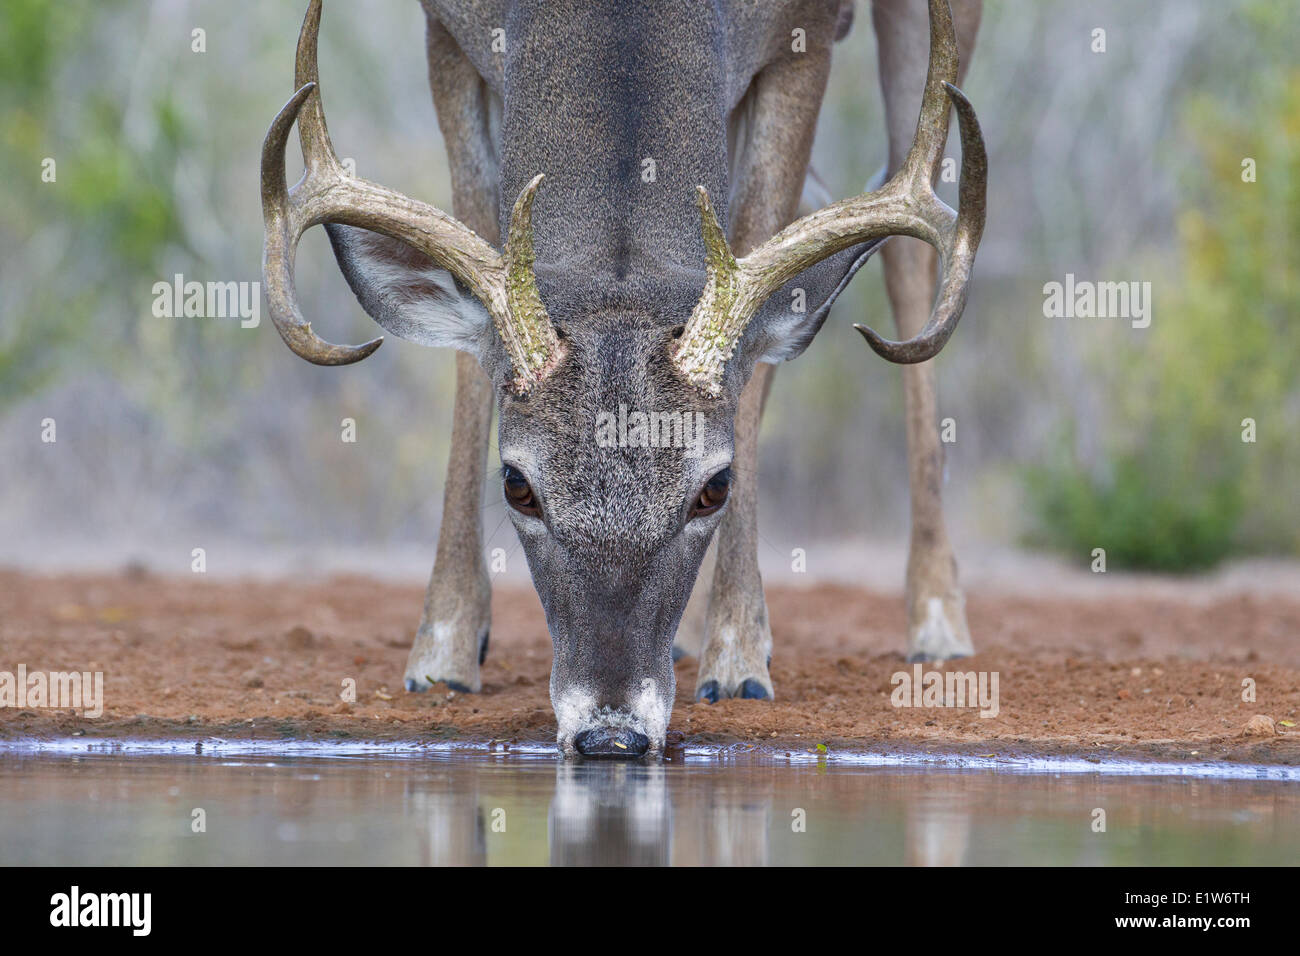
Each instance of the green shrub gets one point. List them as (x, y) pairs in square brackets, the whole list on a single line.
[(1145, 515), (1177, 487)]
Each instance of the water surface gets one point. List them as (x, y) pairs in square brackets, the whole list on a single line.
[(80, 804)]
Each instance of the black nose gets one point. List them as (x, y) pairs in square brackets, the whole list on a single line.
[(611, 742)]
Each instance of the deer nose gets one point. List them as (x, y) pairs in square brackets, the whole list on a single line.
[(611, 742)]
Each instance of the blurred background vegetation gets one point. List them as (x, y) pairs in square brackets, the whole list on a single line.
[(1072, 434)]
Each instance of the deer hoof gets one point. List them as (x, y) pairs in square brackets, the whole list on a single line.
[(446, 653), (750, 689), (420, 686), (937, 630), (934, 658)]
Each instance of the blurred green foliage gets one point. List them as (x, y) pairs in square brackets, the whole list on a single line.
[(1179, 488), (107, 194)]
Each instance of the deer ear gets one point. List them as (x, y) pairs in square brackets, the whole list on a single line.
[(408, 293), (790, 318)]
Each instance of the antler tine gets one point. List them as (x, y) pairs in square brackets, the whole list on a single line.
[(529, 337), (932, 122), (282, 228), (506, 286), (313, 133), (957, 253), (715, 325), (906, 205)]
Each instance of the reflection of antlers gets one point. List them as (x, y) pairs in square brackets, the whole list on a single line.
[(905, 206), (326, 193)]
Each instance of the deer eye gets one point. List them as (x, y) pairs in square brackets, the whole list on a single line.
[(519, 493), (713, 495)]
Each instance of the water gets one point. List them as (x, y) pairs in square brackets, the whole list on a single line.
[(76, 803)]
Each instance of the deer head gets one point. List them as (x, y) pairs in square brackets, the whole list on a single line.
[(614, 523)]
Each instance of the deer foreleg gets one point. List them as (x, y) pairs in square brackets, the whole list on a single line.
[(780, 119)]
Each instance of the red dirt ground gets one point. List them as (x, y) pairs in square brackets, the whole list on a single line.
[(1151, 677)]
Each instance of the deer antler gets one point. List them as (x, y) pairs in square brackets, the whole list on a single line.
[(905, 206), (505, 284)]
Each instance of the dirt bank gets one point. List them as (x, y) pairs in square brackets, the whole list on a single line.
[(1158, 677)]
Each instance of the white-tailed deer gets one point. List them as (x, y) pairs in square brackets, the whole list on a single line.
[(619, 294)]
